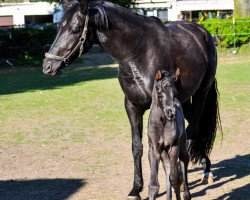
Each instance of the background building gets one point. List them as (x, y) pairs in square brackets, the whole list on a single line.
[(193, 10), (27, 13)]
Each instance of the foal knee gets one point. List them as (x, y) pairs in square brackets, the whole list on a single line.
[(175, 180)]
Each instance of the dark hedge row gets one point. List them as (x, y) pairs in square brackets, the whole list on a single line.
[(26, 44)]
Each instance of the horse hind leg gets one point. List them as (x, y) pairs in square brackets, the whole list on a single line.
[(203, 126), (184, 160), (207, 176)]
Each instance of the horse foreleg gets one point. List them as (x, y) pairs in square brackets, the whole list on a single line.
[(135, 116)]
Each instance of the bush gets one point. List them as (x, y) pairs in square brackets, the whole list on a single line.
[(223, 30), (26, 44)]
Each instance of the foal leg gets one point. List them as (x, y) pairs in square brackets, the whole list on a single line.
[(153, 187), (166, 167), (175, 179), (135, 116)]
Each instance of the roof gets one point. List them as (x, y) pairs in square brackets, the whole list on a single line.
[(186, 5)]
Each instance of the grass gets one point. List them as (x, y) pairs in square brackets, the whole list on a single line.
[(87, 101)]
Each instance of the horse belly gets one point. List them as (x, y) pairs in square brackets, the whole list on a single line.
[(136, 92), (192, 72)]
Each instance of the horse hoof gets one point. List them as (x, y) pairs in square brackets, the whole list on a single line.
[(134, 198), (210, 179), (207, 178)]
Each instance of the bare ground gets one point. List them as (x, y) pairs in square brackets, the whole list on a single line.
[(92, 171)]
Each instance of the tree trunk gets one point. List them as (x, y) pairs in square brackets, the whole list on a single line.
[(242, 8)]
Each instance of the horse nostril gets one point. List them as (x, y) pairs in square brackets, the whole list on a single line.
[(48, 68)]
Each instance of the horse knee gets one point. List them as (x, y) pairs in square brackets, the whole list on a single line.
[(137, 150)]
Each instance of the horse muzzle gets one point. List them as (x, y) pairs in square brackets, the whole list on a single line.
[(51, 68)]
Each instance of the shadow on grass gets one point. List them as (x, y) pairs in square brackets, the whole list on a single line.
[(56, 189), (232, 169), (27, 79)]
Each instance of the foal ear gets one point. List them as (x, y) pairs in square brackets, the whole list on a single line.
[(158, 75)]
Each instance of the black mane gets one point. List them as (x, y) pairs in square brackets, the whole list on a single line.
[(75, 5), (102, 19)]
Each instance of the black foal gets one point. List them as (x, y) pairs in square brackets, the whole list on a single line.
[(167, 138)]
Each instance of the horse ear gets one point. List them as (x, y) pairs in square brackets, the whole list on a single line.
[(176, 76), (84, 4), (158, 75), (66, 4)]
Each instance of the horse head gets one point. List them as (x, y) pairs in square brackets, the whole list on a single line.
[(74, 37)]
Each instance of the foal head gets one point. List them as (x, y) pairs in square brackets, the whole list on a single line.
[(166, 92)]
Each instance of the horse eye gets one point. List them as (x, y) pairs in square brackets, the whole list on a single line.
[(75, 31)]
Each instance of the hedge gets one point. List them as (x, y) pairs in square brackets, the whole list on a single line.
[(223, 31), (26, 44)]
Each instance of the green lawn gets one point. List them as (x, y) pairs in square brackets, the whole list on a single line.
[(87, 101)]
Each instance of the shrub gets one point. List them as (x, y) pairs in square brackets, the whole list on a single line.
[(223, 30)]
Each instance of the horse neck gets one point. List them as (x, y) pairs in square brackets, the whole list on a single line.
[(123, 39)]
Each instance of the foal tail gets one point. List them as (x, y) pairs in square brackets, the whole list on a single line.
[(209, 122)]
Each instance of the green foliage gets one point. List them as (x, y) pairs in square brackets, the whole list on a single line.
[(224, 30), (27, 44)]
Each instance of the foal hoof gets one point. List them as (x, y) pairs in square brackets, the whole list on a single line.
[(207, 178)]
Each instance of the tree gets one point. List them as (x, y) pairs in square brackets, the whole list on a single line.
[(242, 8)]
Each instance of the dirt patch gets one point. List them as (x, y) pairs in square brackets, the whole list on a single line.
[(104, 171)]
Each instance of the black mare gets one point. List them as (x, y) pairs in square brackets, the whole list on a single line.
[(167, 138), (141, 45)]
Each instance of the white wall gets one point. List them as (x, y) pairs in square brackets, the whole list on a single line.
[(19, 10)]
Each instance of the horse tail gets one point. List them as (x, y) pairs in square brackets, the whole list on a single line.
[(209, 122)]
